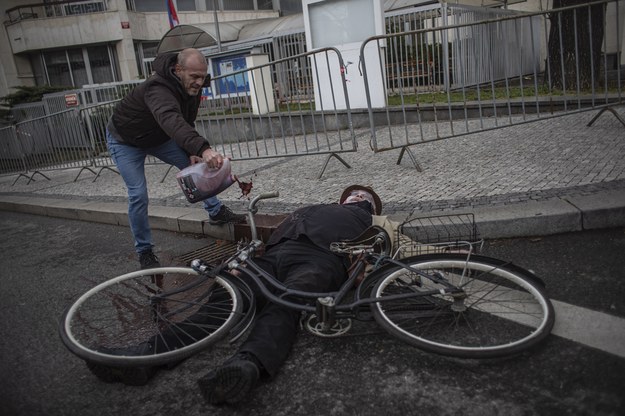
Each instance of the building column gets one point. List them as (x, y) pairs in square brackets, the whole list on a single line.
[(126, 51)]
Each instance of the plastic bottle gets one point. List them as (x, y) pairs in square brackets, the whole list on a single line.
[(199, 181)]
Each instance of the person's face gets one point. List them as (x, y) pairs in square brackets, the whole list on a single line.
[(192, 75), (359, 195)]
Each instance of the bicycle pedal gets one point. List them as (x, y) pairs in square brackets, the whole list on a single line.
[(340, 327)]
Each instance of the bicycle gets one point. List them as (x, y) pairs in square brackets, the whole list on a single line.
[(458, 304)]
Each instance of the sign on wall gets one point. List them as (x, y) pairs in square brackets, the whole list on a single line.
[(231, 85), (71, 100)]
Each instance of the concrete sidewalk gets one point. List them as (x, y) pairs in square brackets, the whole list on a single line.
[(540, 178)]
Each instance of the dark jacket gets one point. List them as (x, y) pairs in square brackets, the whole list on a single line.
[(159, 109), (324, 224)]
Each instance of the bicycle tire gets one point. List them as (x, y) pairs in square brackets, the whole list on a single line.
[(506, 309), (249, 308), (172, 312)]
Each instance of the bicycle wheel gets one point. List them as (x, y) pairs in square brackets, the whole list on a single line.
[(150, 317), (500, 309)]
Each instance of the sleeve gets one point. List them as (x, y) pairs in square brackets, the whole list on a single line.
[(168, 115)]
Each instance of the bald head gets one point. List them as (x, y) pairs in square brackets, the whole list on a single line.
[(191, 68), (190, 56)]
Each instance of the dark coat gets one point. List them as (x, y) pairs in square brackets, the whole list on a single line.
[(159, 109), (324, 224)]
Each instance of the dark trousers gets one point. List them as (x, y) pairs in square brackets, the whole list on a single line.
[(298, 265)]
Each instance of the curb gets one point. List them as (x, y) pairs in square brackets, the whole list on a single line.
[(523, 219)]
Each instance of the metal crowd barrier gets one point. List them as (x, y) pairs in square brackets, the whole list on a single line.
[(272, 109), (264, 111), (461, 78), (56, 141), (451, 77)]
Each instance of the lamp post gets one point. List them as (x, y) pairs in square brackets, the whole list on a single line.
[(216, 25)]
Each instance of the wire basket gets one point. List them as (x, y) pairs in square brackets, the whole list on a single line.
[(437, 234)]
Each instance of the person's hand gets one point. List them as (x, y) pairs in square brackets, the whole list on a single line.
[(195, 159), (213, 159)]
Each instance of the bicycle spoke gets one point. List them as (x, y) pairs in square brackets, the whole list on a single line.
[(173, 312), (490, 311)]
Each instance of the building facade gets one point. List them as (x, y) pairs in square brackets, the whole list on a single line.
[(75, 43)]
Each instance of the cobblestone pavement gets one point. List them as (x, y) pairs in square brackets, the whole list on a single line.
[(541, 160)]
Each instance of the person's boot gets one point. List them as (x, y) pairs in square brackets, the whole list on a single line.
[(231, 382), (131, 376), (148, 260), (225, 215)]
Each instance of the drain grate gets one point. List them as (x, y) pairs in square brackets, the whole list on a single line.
[(213, 253)]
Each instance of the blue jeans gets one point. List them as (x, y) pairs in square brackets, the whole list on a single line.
[(130, 161)]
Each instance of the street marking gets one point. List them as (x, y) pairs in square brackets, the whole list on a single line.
[(594, 329)]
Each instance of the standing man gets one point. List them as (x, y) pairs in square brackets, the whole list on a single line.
[(157, 118)]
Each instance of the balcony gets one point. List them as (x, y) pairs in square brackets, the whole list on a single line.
[(62, 24), (54, 9)]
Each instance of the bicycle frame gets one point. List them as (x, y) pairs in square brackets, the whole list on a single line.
[(445, 302), (327, 305)]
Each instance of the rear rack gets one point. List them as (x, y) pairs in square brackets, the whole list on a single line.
[(437, 234)]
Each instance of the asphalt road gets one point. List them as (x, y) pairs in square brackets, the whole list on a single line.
[(47, 262)]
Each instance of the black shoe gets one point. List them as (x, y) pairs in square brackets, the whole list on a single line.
[(148, 260), (224, 216), (131, 376), (230, 383)]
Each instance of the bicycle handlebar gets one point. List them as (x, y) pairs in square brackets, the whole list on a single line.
[(266, 195), (252, 210)]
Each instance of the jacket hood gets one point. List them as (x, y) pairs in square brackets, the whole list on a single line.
[(163, 63)]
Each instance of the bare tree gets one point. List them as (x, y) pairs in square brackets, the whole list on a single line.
[(575, 40)]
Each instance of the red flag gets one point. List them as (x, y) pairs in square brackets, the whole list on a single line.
[(171, 14)]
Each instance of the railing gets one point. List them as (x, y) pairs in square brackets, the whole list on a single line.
[(55, 9), (269, 112), (269, 121), (497, 73), (250, 122)]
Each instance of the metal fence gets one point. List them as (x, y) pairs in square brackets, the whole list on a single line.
[(415, 52), (450, 75), (243, 115), (106, 92), (495, 73), (264, 122), (56, 141)]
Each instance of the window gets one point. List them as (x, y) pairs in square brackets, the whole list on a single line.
[(150, 6), (100, 63), (290, 6), (239, 5), (149, 49), (57, 68), (76, 66), (37, 67), (265, 4), (186, 6), (145, 53)]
